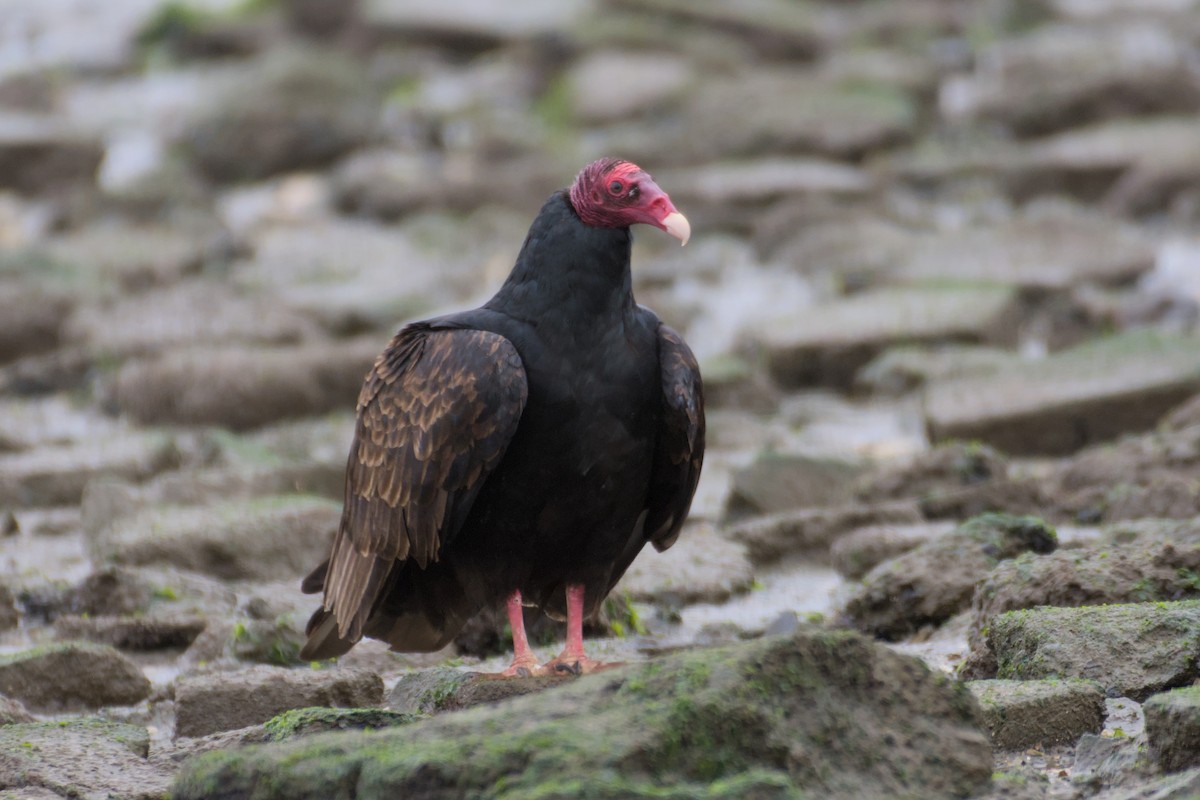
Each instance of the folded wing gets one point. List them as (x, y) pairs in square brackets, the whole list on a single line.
[(435, 416)]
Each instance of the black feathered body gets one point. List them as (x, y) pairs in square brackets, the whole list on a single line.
[(601, 448)]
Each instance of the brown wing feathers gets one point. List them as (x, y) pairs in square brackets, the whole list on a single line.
[(434, 418)]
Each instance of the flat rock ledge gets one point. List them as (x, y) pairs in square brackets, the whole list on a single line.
[(1134, 649), (1173, 728), (824, 711), (1030, 713)]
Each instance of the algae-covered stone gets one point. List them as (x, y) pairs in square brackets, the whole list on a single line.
[(1173, 728), (936, 580), (222, 701), (826, 712), (1134, 649), (306, 721), (1029, 713), (72, 675), (81, 758), (1130, 573)]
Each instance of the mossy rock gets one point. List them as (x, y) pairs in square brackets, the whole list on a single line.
[(86, 757), (821, 711), (306, 721), (936, 580), (1133, 649), (72, 675)]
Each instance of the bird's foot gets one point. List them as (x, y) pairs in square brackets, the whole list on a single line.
[(570, 664), (523, 667)]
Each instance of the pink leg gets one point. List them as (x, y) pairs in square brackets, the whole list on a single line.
[(572, 658), (574, 648), (524, 662)]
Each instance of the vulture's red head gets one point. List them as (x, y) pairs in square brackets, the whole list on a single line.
[(611, 193)]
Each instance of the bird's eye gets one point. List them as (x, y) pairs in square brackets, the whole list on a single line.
[(615, 187)]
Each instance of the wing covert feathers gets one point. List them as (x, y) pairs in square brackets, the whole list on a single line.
[(435, 415)]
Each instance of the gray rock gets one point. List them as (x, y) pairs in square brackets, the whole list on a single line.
[(609, 85), (10, 617), (263, 538), (31, 319), (1021, 714), (41, 153), (342, 274), (132, 633), (936, 580), (130, 256), (1173, 728), (1131, 573), (899, 370), (106, 592), (1136, 165), (701, 567), (243, 387), (741, 116), (433, 691), (291, 111), (109, 499), (777, 482), (71, 676), (26, 424), (859, 248), (471, 25), (1132, 165), (1062, 75), (1091, 393), (1136, 477), (12, 712), (828, 344), (269, 632), (812, 530), (190, 314), (1042, 252), (86, 757), (773, 27), (222, 701), (1183, 416), (738, 722), (1103, 760), (763, 180), (57, 475), (1135, 649), (907, 70), (63, 370), (860, 550), (1183, 786)]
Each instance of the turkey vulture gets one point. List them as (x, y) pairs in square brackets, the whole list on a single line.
[(525, 450)]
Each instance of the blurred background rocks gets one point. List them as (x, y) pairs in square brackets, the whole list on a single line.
[(945, 264)]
